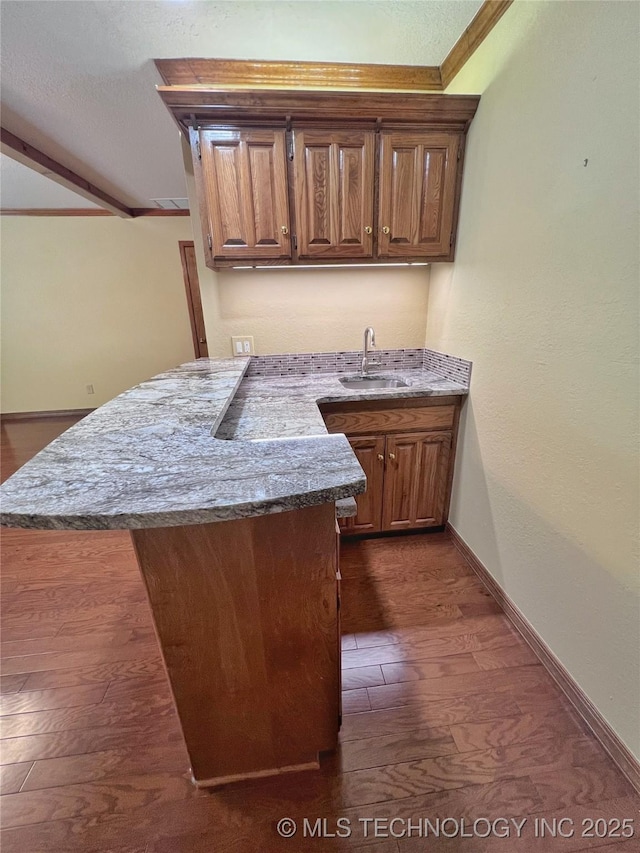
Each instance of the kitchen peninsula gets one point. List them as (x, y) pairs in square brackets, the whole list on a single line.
[(246, 611)]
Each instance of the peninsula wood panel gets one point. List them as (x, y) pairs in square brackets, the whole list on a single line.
[(370, 453), (246, 616), (415, 482), (334, 186), (418, 193), (244, 187)]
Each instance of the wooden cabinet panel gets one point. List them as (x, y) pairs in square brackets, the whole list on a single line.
[(244, 177), (246, 616), (415, 484), (418, 186), (406, 448), (372, 178), (370, 453), (391, 420), (333, 182)]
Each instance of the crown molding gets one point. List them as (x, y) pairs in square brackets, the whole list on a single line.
[(485, 20), (301, 75), (192, 72)]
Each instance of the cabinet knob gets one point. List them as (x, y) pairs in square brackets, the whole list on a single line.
[(392, 456), (368, 229), (284, 229), (202, 341), (385, 229), (380, 457)]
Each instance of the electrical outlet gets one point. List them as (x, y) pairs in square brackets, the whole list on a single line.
[(90, 389), (242, 345)]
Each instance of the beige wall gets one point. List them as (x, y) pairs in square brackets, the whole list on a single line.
[(89, 300), (309, 310), (543, 297)]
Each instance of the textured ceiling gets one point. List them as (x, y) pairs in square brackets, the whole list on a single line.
[(78, 78)]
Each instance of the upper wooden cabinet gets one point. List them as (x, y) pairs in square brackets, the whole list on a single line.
[(291, 177), (333, 178), (243, 189), (418, 189)]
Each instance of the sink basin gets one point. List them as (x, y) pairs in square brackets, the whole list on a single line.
[(372, 382)]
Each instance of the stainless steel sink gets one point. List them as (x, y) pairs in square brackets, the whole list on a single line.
[(372, 382)]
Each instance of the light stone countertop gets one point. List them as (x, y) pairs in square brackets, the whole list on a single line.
[(199, 444)]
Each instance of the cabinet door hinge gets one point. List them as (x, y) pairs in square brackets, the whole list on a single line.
[(289, 137), (198, 149), (294, 240), (209, 242)]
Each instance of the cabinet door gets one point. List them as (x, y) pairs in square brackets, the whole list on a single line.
[(333, 179), (244, 177), (370, 453), (418, 180), (415, 483)]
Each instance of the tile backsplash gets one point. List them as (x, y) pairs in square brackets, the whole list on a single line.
[(455, 369), (447, 366)]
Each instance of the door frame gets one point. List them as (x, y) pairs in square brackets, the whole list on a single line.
[(194, 301)]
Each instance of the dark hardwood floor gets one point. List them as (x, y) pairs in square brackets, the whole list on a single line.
[(447, 715)]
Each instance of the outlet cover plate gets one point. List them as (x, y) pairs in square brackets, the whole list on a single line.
[(242, 345)]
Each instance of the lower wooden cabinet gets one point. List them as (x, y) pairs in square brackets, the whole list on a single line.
[(415, 480), (370, 451), (406, 449)]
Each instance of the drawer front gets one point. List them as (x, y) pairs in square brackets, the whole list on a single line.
[(390, 420)]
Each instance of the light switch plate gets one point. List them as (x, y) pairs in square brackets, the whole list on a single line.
[(242, 345)]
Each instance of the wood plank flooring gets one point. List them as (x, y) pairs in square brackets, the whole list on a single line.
[(447, 714)]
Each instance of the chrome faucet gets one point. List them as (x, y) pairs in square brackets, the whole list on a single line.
[(369, 342)]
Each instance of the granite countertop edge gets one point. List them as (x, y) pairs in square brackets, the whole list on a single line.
[(198, 444)]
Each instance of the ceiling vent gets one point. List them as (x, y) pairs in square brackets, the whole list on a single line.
[(171, 203)]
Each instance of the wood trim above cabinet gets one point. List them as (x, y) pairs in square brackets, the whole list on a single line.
[(256, 73), (326, 75), (204, 106)]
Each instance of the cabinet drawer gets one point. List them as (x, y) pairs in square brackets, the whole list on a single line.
[(390, 420)]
